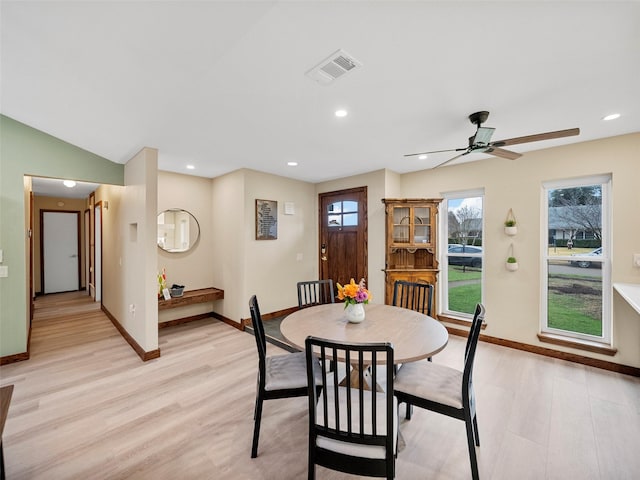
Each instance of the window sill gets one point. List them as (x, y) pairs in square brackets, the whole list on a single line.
[(577, 344), (458, 321)]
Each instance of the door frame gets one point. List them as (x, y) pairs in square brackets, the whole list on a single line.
[(31, 263), (87, 250), (97, 251)]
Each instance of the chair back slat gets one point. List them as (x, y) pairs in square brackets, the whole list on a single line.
[(315, 292), (416, 296), (374, 398)]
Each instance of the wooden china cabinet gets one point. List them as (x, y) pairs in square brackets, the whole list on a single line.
[(411, 238)]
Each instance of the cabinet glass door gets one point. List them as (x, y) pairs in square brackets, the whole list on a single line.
[(401, 221), (421, 226)]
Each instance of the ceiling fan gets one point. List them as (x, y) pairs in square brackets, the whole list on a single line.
[(481, 141)]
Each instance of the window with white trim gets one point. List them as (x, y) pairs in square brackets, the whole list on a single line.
[(576, 260), (461, 224)]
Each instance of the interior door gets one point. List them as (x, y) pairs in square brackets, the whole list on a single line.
[(60, 247), (343, 235)]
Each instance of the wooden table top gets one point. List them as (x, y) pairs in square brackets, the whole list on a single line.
[(414, 336)]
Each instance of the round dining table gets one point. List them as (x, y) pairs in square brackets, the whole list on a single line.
[(414, 335)]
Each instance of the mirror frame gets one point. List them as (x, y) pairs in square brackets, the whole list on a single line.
[(192, 219)]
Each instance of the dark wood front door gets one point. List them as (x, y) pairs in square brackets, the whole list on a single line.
[(343, 235)]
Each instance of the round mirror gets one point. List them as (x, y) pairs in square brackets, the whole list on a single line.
[(178, 230)]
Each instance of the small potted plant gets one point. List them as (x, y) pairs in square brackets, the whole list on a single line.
[(512, 264), (510, 227)]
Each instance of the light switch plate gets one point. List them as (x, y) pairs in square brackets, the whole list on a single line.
[(636, 259), (1, 256), (4, 271)]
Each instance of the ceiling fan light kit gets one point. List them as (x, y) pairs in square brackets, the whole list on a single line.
[(481, 141)]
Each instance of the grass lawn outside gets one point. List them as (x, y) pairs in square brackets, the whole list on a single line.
[(465, 289), (457, 273), (575, 304)]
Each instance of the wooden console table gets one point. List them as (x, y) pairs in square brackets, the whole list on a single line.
[(190, 297)]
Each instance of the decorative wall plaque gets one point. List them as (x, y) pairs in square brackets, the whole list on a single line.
[(266, 219)]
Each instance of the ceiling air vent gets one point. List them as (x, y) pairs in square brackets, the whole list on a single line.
[(333, 67)]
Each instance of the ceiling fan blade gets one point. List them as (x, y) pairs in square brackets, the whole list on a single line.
[(452, 159), (536, 138), (501, 152), (435, 151)]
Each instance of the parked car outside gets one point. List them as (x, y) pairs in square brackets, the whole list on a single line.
[(586, 263), (454, 259)]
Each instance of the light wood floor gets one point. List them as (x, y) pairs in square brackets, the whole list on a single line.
[(85, 406)]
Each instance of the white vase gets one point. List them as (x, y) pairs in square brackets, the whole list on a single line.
[(511, 230), (354, 312), (512, 267)]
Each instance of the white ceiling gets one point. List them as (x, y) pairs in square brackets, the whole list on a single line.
[(222, 85)]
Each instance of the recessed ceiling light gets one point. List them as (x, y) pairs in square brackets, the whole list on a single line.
[(422, 157), (69, 183), (341, 113), (613, 116), (292, 164), (191, 167)]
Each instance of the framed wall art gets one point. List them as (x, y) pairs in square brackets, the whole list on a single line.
[(266, 219)]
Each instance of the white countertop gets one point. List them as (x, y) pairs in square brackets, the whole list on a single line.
[(630, 292)]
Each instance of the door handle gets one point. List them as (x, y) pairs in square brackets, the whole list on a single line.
[(323, 251)]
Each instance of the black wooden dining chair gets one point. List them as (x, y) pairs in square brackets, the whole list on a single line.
[(416, 296), (352, 428), (446, 390), (279, 376), (315, 292)]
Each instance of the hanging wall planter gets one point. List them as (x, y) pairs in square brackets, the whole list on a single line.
[(512, 264), (510, 227)]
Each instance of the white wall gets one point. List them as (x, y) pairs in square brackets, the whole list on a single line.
[(228, 225), (272, 267), (233, 260), (195, 268), (129, 249), (513, 299)]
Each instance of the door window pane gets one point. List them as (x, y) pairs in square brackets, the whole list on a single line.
[(342, 214)]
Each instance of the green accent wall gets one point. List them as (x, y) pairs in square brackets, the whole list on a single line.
[(27, 151)]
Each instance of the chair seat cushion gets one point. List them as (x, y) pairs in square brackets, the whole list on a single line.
[(430, 381), (286, 371), (356, 449)]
